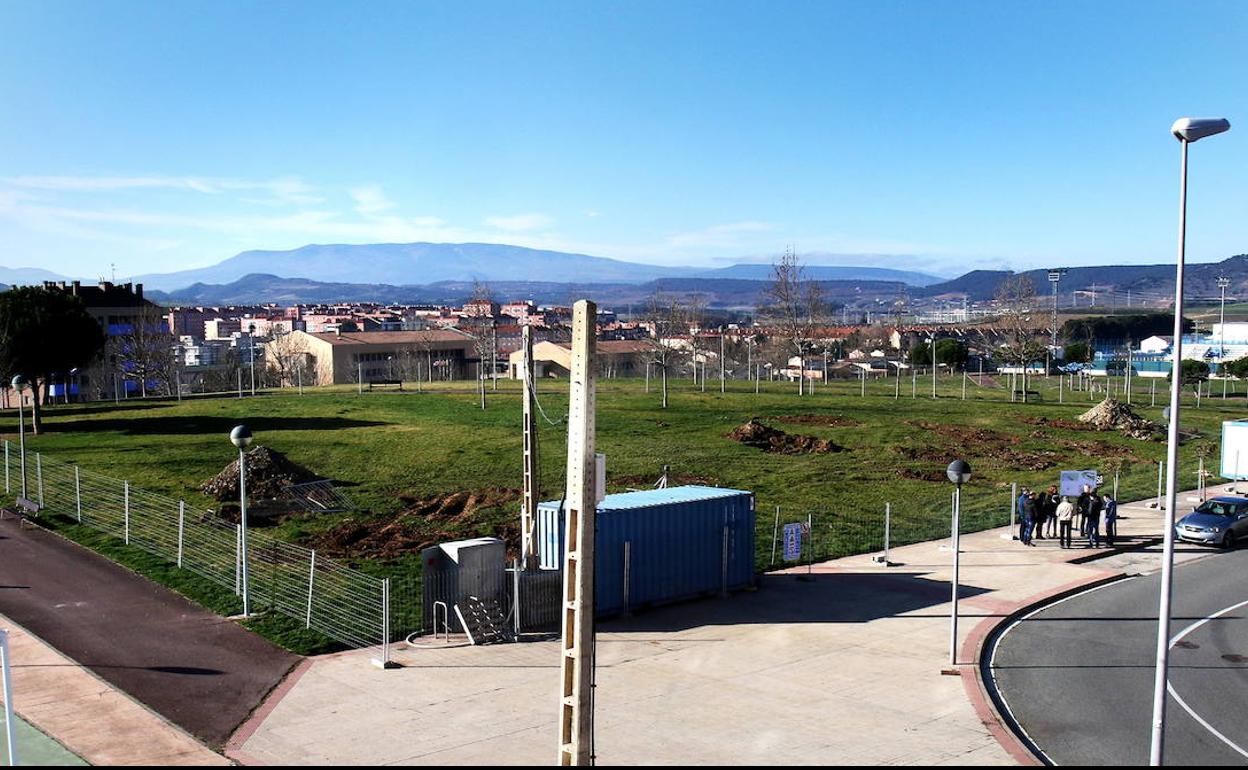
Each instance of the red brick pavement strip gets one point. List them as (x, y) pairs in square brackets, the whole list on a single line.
[(234, 747), (973, 649)]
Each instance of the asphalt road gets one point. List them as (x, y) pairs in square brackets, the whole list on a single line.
[(1078, 674), (198, 670)]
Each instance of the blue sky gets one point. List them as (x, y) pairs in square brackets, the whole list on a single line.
[(954, 134)]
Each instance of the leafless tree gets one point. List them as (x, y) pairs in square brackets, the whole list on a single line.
[(146, 351), (667, 318), (1020, 321), (283, 355), (795, 303)]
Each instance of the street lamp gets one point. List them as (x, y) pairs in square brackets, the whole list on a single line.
[(251, 344), (959, 472), (1223, 282), (931, 342), (1186, 130), (19, 384), (241, 438)]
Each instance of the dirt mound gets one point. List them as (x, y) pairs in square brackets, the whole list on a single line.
[(269, 474), (1112, 414), (827, 420), (458, 507), (769, 439), (424, 522), (1056, 422)]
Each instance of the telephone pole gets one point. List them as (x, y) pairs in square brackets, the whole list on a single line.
[(576, 716)]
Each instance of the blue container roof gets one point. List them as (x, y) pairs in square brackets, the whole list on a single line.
[(650, 498)]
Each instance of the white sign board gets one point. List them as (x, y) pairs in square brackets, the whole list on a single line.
[(793, 542), (1234, 450), (1073, 482)]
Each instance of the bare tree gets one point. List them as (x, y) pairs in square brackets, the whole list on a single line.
[(285, 354), (146, 350), (667, 318), (1020, 320), (481, 328), (796, 304)]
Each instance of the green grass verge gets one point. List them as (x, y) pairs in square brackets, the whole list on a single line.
[(388, 448)]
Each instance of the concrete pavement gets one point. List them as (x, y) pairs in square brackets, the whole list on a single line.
[(844, 669)]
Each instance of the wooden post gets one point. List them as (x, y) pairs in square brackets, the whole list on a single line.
[(576, 718), (528, 510)]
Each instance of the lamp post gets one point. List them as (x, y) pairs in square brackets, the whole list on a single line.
[(19, 384), (959, 472), (1223, 282), (1186, 130), (241, 438), (931, 342), (251, 344)]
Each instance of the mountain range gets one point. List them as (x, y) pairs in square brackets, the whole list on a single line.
[(400, 264), (444, 273)]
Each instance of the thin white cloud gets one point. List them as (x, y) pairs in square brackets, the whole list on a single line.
[(289, 190), (520, 222), (370, 200), (729, 235)]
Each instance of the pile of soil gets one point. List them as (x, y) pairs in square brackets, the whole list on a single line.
[(1056, 422), (269, 474), (827, 420), (997, 447), (768, 439), (424, 522), (1112, 414)]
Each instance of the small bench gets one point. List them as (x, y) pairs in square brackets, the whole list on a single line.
[(381, 383), (1027, 395)]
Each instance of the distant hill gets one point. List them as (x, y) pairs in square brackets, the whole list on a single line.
[(400, 264), (763, 272), (26, 276), (1145, 281)]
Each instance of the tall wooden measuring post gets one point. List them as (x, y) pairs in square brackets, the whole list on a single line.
[(528, 510), (576, 717)]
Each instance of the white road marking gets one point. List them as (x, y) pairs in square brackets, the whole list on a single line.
[(1170, 687), (992, 660)]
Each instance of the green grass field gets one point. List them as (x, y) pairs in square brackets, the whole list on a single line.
[(394, 451)]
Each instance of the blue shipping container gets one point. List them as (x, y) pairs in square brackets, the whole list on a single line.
[(675, 540)]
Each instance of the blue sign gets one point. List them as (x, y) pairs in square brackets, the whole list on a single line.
[(793, 542)]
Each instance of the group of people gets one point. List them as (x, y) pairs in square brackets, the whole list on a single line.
[(1041, 512)]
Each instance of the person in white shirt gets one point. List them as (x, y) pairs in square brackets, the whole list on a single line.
[(1065, 516)]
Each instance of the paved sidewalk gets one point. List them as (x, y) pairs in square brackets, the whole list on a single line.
[(90, 717), (844, 669), (198, 670)]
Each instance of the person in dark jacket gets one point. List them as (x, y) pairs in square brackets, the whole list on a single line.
[(1094, 520), (1081, 509), (1018, 510), (1054, 500), (1109, 516), (1029, 518)]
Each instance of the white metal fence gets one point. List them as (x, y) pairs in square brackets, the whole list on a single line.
[(345, 604)]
